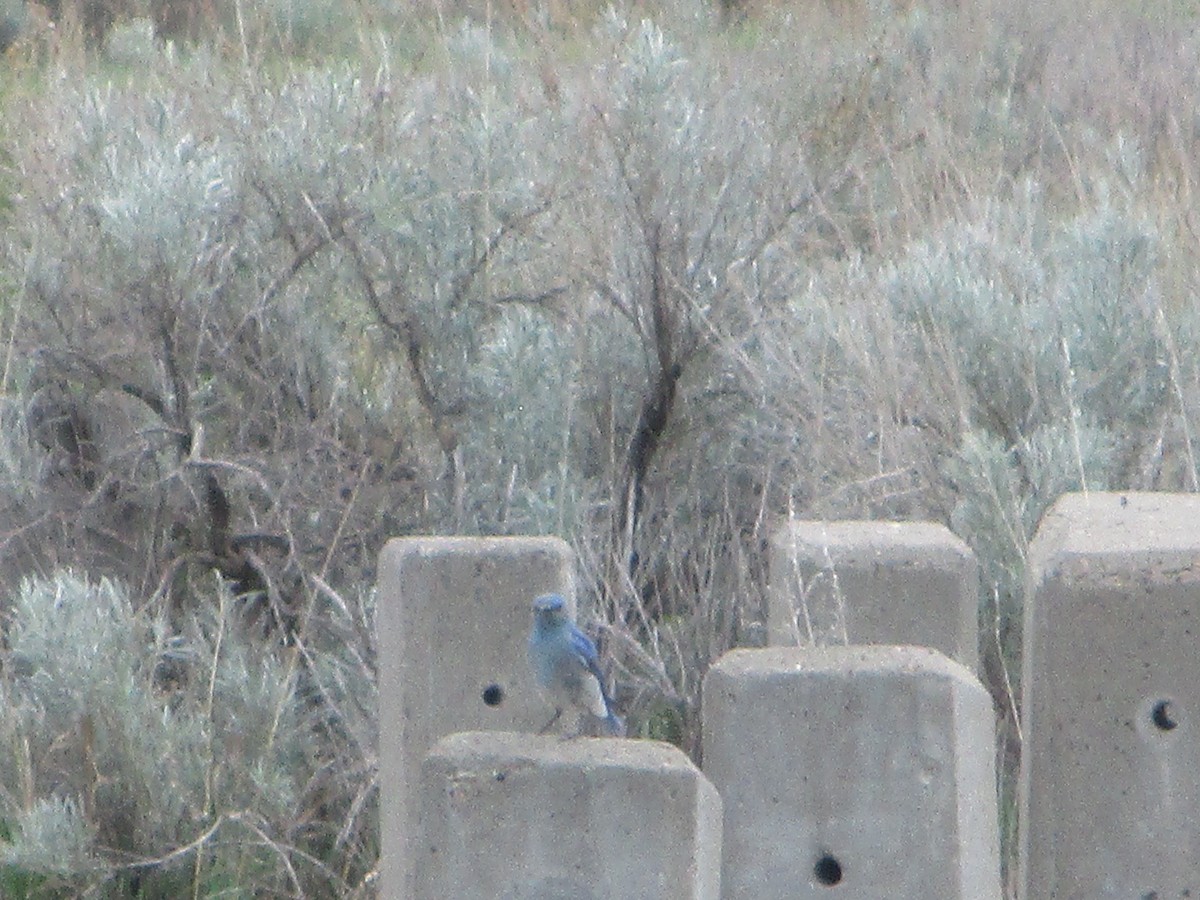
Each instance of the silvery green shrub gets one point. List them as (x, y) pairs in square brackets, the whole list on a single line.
[(125, 739)]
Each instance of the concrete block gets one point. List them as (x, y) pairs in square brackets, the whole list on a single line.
[(865, 768), (453, 620), (874, 583), (1110, 788), (521, 816)]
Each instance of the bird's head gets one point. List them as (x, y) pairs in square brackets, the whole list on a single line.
[(550, 610)]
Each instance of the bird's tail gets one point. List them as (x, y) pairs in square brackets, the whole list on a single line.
[(614, 725)]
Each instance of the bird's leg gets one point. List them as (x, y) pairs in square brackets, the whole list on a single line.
[(554, 718)]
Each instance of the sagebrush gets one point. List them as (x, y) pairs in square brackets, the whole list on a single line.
[(276, 285)]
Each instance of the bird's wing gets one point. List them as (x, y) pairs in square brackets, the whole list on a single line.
[(583, 647), (585, 652)]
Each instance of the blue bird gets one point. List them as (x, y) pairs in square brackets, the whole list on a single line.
[(566, 666)]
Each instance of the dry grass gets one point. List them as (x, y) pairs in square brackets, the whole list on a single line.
[(554, 270)]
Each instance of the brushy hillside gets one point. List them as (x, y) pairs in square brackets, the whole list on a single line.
[(277, 285)]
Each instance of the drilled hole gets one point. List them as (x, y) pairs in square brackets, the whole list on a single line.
[(1163, 716), (827, 871), (493, 695)]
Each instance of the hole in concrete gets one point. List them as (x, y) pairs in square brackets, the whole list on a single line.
[(1163, 716), (493, 695), (827, 870)]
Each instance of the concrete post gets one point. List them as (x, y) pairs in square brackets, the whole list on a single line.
[(1110, 787), (508, 816), (866, 768), (453, 619), (874, 583)]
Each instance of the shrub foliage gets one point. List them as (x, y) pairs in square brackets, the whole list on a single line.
[(275, 288)]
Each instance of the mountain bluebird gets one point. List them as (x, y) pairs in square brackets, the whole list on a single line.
[(565, 663)]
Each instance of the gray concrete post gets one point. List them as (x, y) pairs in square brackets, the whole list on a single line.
[(865, 768), (508, 816), (453, 619), (1110, 787), (874, 583)]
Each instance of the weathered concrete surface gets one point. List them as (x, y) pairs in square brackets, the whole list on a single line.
[(874, 583), (1110, 793), (868, 769), (453, 620), (507, 816)]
